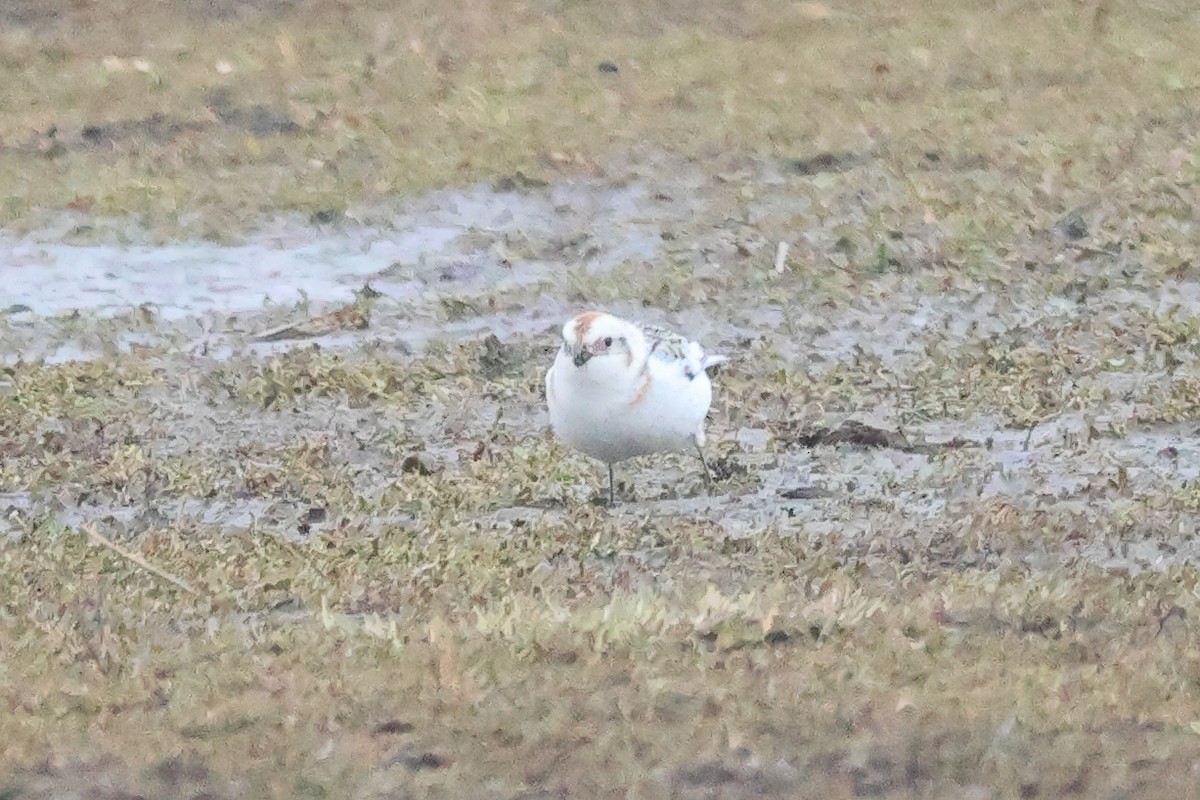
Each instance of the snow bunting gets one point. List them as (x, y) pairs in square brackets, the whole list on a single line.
[(618, 390)]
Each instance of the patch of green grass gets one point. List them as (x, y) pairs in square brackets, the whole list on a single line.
[(430, 630), (401, 584), (234, 118), (487, 659)]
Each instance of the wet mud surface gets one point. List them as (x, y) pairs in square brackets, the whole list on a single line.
[(1054, 397), (280, 515)]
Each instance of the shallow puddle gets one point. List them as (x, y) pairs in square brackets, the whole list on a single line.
[(459, 267)]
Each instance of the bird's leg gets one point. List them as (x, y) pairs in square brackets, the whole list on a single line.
[(703, 465), (612, 487)]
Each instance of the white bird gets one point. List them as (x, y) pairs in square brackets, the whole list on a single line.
[(618, 389)]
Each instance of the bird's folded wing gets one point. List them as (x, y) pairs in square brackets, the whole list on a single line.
[(670, 346)]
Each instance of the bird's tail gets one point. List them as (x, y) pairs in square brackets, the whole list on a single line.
[(711, 360)]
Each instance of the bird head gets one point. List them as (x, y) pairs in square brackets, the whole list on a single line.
[(600, 343)]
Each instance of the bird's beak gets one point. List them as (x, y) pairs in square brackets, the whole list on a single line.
[(582, 356)]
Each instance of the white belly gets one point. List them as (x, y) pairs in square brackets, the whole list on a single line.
[(612, 424)]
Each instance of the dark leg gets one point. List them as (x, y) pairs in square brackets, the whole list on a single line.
[(612, 487), (704, 466)]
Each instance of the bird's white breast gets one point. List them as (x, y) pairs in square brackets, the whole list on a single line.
[(639, 411)]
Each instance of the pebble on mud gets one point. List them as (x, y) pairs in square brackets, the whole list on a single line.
[(421, 464)]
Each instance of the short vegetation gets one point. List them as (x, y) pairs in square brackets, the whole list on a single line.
[(950, 550)]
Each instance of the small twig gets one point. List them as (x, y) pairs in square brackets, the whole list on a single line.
[(1033, 426), (99, 538), (781, 254)]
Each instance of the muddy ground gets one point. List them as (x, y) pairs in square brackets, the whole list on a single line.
[(268, 534)]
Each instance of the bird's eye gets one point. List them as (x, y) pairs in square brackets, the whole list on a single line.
[(608, 341)]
